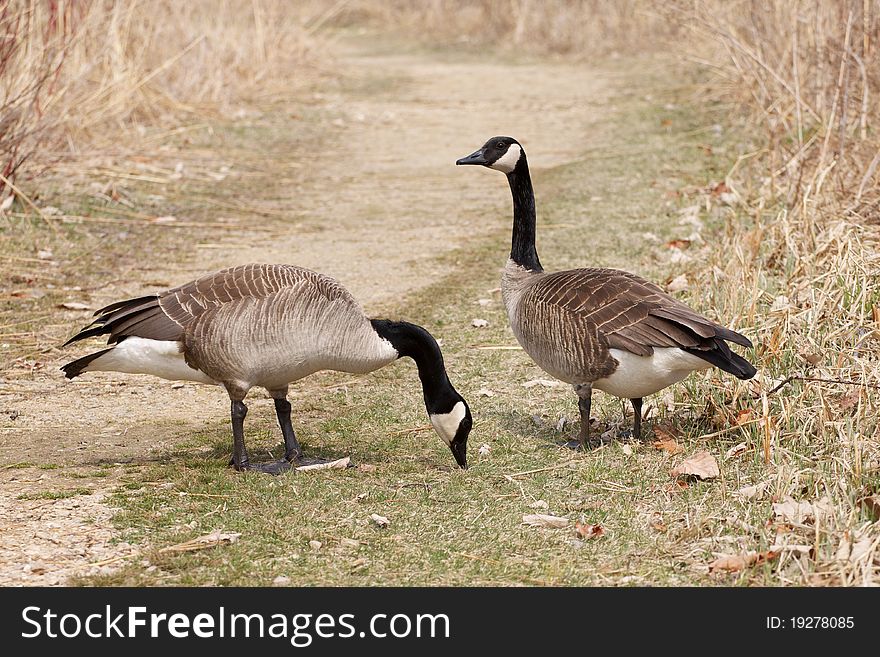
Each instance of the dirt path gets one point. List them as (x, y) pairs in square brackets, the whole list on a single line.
[(374, 207)]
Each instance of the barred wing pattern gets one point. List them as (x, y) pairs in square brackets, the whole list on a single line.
[(166, 316), (577, 315)]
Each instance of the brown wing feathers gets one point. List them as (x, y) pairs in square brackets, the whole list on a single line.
[(636, 316), (142, 317), (166, 316)]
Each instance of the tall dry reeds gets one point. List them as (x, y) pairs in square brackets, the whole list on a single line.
[(72, 68), (809, 71)]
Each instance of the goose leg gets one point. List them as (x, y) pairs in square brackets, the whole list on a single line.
[(585, 394), (637, 422), (240, 459), (292, 450), (585, 397)]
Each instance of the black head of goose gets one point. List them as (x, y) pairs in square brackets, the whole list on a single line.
[(267, 326), (598, 328)]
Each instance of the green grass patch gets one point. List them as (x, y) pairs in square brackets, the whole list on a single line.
[(55, 494)]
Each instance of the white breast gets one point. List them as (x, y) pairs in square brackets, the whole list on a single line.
[(446, 424), (161, 358), (639, 376)]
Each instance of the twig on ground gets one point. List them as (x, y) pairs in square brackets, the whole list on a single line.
[(816, 380)]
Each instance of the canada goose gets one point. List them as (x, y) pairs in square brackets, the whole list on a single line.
[(267, 326), (598, 328)]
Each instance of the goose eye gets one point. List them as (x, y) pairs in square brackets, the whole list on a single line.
[(500, 144)]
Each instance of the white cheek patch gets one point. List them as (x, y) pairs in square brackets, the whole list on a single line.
[(446, 424), (507, 162)]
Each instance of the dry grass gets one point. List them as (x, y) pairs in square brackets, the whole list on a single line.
[(86, 74), (800, 253), (798, 259)]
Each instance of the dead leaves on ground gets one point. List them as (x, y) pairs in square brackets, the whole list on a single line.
[(544, 520), (701, 465), (666, 435), (800, 513), (587, 531), (735, 562)]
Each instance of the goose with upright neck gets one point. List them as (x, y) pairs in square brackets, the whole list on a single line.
[(595, 327), (267, 326)]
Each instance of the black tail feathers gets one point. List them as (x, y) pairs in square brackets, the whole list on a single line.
[(75, 367)]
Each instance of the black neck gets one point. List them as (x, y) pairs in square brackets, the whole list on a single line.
[(416, 343), (522, 249)]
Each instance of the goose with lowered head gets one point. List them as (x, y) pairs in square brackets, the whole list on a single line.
[(267, 326)]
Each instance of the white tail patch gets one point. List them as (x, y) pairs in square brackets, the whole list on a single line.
[(446, 424), (161, 358), (640, 376), (507, 162)]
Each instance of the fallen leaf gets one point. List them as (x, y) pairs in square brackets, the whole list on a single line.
[(538, 504), (74, 305), (349, 543), (780, 303), (315, 545), (163, 220), (720, 188), (743, 416), (872, 505), (800, 513), (586, 531), (736, 562), (479, 323), (367, 467), (213, 539), (678, 244), (736, 450), (678, 284), (626, 449), (547, 383), (749, 492), (668, 446), (812, 358), (850, 399), (484, 450), (7, 203), (657, 523), (338, 464), (382, 521), (861, 548), (281, 580), (485, 392), (544, 520), (701, 465), (484, 302), (666, 434)]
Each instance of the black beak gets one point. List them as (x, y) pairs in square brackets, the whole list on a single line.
[(476, 157), (459, 451)]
